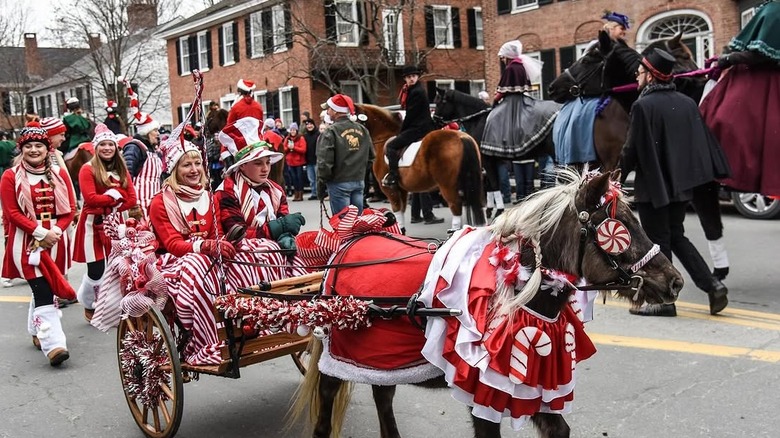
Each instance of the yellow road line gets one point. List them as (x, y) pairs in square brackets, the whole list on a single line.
[(686, 347), (14, 299), (748, 318)]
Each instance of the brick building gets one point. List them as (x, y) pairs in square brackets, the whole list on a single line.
[(557, 31), (299, 52)]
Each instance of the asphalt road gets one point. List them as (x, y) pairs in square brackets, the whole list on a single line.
[(691, 376)]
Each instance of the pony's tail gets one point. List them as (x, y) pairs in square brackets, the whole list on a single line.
[(308, 394), (470, 180)]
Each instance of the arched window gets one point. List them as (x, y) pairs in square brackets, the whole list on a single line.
[(696, 28)]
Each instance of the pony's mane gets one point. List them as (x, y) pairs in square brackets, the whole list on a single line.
[(525, 224), (466, 99), (379, 111)]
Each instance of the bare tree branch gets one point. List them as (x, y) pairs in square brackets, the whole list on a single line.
[(13, 20)]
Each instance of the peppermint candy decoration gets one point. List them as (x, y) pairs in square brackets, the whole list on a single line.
[(613, 237)]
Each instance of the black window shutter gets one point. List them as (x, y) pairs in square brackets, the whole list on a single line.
[(362, 23), (568, 55), (288, 26), (192, 42), (455, 15), (248, 36), (236, 51), (268, 31), (221, 49), (277, 106), (208, 49), (296, 108), (330, 20), (463, 86), (178, 57), (471, 18), (504, 7), (430, 35), (180, 112), (431, 90), (548, 70), (544, 2), (271, 103)]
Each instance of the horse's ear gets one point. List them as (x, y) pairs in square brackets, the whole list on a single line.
[(605, 42), (615, 175), (675, 41), (596, 188), (440, 91)]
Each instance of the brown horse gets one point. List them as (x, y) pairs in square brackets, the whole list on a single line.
[(447, 160), (598, 72), (74, 163), (560, 223)]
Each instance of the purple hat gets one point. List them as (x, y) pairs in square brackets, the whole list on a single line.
[(617, 18)]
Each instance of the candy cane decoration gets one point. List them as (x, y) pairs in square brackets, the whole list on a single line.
[(571, 345), (613, 237), (524, 340)]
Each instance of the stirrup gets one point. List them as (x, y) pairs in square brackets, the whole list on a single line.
[(390, 181)]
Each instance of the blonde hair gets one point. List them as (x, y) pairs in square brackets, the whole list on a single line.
[(175, 184), (117, 164), (609, 25)]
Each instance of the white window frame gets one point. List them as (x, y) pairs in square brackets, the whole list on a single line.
[(205, 106), (351, 21), (279, 29), (203, 51), (705, 41), (449, 83), (745, 17), (261, 97), (358, 98), (16, 101), (285, 113), (388, 34), (519, 6), (227, 48), (184, 59), (536, 87), (479, 27), (257, 49), (449, 40), (227, 101), (185, 109), (581, 48), (478, 85)]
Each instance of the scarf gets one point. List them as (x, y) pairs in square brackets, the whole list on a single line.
[(175, 215), (402, 96), (22, 184), (249, 194), (658, 86)]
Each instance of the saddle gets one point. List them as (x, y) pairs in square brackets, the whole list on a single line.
[(407, 155)]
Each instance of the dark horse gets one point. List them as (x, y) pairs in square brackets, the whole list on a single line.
[(449, 160), (555, 229)]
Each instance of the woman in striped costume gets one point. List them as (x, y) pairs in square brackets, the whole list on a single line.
[(143, 161), (107, 189), (38, 203)]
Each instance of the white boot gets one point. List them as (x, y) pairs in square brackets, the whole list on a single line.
[(87, 293), (31, 329), (50, 334)]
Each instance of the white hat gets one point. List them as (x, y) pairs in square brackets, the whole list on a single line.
[(245, 85), (144, 123), (71, 100), (511, 49), (242, 139), (102, 133), (174, 147)]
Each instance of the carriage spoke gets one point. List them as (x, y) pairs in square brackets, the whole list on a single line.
[(167, 390), (149, 330), (130, 324), (156, 415), (164, 409), (145, 415)]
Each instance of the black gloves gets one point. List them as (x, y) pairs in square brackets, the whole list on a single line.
[(286, 224), (724, 61), (322, 190)]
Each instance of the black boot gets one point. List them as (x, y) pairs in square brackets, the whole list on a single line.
[(391, 179), (718, 296), (720, 273)]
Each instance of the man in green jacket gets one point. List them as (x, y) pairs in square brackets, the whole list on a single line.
[(344, 151), (78, 127)]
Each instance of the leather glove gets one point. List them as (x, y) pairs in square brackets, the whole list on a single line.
[(210, 248), (322, 190), (724, 61), (286, 224), (287, 241)]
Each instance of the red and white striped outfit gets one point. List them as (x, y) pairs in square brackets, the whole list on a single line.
[(147, 183), (91, 243), (21, 227)]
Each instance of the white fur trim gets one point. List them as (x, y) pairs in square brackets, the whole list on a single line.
[(50, 330), (718, 253), (331, 366)]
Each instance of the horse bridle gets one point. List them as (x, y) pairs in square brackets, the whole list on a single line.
[(576, 89), (441, 122), (627, 278)]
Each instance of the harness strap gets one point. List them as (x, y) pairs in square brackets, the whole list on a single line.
[(647, 257)]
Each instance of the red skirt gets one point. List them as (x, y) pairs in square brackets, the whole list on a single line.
[(743, 111), (91, 243)]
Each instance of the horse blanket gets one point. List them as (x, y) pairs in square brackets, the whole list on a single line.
[(573, 132)]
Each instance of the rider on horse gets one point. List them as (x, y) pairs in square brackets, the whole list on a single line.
[(417, 121), (77, 125)]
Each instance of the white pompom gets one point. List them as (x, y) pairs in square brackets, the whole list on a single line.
[(302, 330), (320, 332), (353, 117), (43, 330), (120, 79)]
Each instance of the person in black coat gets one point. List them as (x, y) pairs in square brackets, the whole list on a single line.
[(310, 135), (417, 121), (673, 152)]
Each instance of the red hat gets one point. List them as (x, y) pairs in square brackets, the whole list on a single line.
[(245, 85), (341, 103), (143, 122), (111, 106), (32, 132), (53, 126)]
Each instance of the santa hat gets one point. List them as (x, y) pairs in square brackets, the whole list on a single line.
[(53, 126), (144, 124), (32, 132), (111, 106), (341, 103), (174, 147), (242, 140), (245, 85), (102, 133), (121, 140)]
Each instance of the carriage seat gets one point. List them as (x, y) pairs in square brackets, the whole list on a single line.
[(407, 158)]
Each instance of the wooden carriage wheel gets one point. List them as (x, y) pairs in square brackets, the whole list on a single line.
[(151, 374), (301, 359)]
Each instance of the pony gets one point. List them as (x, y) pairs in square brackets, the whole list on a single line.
[(554, 230), (74, 162), (471, 113), (447, 159)]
